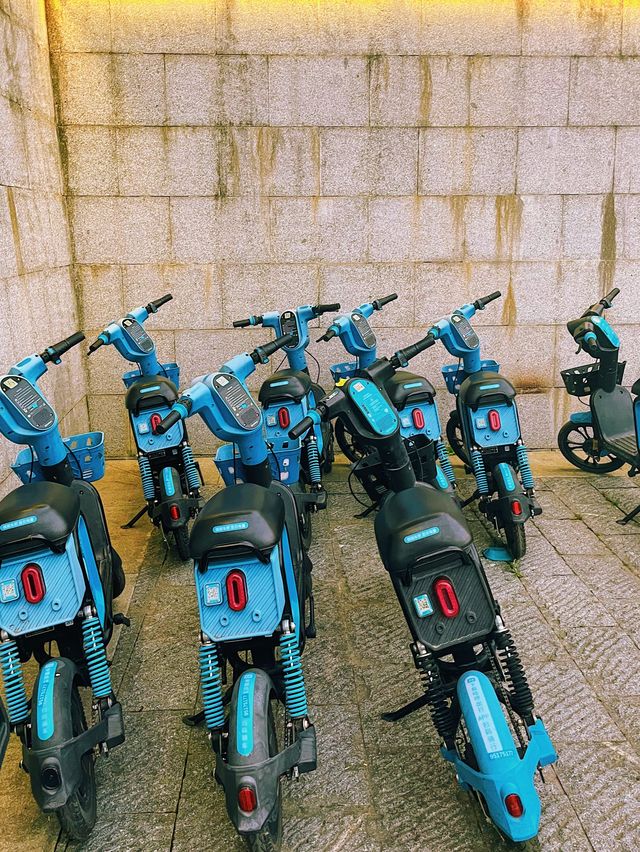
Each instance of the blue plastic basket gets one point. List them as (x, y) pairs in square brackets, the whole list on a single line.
[(284, 467), (170, 371), (85, 453), (345, 370), (454, 374)]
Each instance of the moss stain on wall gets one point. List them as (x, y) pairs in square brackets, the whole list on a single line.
[(608, 248), (426, 90), (508, 224)]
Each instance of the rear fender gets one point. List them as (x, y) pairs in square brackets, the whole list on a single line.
[(171, 495), (511, 493)]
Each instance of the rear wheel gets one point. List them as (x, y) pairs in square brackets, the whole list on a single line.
[(78, 817), (329, 453), (348, 443), (578, 444), (181, 536), (455, 438), (269, 838), (516, 539)]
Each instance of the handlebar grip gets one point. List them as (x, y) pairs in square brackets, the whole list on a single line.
[(261, 353), (403, 355), (483, 301), (97, 343), (328, 335), (170, 420), (611, 295), (241, 323), (326, 309), (55, 352), (152, 307), (300, 428), (378, 304)]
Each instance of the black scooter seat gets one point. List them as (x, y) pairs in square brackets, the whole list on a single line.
[(613, 416), (283, 385), (244, 516), (419, 389), (148, 392), (40, 510), (483, 386)]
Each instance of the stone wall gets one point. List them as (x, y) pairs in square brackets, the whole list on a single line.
[(255, 154), (37, 300)]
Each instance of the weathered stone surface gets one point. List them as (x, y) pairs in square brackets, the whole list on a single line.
[(368, 162), (604, 91), (565, 160), (467, 162)]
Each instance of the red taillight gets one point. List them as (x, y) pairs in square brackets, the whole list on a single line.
[(236, 590), (283, 417), (174, 511), (514, 805), (447, 598), (494, 420), (516, 507), (154, 422), (33, 583), (247, 800), (418, 418)]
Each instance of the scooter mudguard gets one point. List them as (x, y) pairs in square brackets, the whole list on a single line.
[(511, 495), (54, 759), (171, 495), (4, 731), (581, 418), (249, 760), (503, 778)]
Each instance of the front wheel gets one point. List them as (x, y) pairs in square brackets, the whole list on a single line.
[(578, 444), (516, 539), (181, 536), (348, 443), (78, 817), (455, 437)]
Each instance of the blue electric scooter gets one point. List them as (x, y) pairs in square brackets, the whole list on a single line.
[(413, 398), (484, 430), (171, 479), (253, 581), (59, 575), (473, 678)]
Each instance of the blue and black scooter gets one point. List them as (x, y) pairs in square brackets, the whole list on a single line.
[(475, 685), (171, 479), (484, 430), (412, 396), (253, 581), (59, 575), (607, 436)]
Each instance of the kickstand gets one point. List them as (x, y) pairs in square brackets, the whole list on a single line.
[(134, 520), (411, 707), (629, 517), (194, 720), (469, 500), (372, 508)]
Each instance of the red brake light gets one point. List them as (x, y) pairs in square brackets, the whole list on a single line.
[(247, 800), (418, 418), (514, 805), (516, 507), (236, 590), (447, 598), (494, 420), (174, 511), (283, 417), (33, 583), (154, 422)]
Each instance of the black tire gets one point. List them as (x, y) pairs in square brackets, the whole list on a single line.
[(329, 452), (181, 536), (576, 445), (516, 539), (269, 838), (454, 437), (348, 443), (78, 817), (118, 577)]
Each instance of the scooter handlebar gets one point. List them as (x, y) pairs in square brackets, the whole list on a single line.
[(97, 343), (170, 420), (481, 303), (300, 428), (328, 335), (55, 352), (152, 307), (378, 304), (262, 353), (244, 323), (326, 309), (403, 356)]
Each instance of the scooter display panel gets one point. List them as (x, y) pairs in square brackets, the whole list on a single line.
[(138, 335), (463, 329), (289, 325), (28, 400), (363, 328), (237, 400)]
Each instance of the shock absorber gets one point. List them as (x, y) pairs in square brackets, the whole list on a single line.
[(190, 469), (521, 697), (17, 705), (313, 459), (211, 681), (441, 715), (445, 462), (523, 466), (147, 477), (96, 656), (477, 463), (294, 688)]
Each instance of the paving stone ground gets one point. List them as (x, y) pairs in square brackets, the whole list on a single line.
[(573, 605)]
